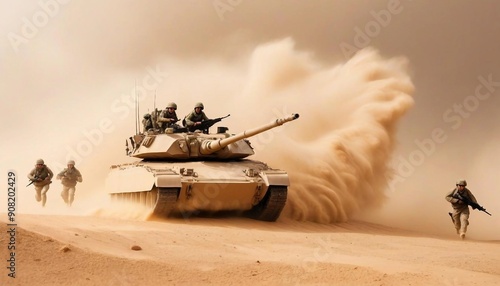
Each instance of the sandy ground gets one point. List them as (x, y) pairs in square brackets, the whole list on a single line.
[(237, 251)]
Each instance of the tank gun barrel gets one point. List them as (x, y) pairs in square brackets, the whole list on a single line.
[(211, 146)]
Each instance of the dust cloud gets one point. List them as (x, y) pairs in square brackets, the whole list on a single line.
[(79, 70), (81, 107), (337, 152)]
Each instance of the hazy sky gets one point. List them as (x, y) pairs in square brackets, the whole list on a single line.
[(62, 62)]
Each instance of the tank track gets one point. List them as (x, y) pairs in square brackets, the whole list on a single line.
[(161, 201), (167, 199), (269, 209)]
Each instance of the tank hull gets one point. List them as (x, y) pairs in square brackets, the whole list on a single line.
[(201, 186)]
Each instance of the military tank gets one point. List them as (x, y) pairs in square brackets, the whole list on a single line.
[(191, 172)]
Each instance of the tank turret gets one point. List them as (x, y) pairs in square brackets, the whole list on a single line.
[(191, 172), (198, 145)]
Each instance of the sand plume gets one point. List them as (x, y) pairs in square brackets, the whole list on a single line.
[(337, 153)]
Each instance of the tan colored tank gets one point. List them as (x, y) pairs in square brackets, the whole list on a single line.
[(190, 172)]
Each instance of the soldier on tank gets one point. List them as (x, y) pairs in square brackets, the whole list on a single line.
[(69, 177), (41, 177), (460, 215), (196, 116), (168, 117), (147, 122)]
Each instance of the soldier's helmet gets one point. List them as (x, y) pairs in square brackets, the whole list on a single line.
[(172, 105), (461, 183), (71, 162), (40, 161), (147, 115), (199, 104)]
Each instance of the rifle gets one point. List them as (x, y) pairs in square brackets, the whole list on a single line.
[(470, 203), (207, 123), (67, 177), (32, 181), (163, 123)]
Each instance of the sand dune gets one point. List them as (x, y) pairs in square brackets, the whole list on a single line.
[(230, 251)]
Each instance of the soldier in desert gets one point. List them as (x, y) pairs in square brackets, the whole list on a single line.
[(41, 177), (69, 177), (147, 122), (196, 116), (458, 198), (168, 117)]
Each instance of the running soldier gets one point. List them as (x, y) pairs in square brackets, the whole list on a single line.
[(69, 177), (41, 177)]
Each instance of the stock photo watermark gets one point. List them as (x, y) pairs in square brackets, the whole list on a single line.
[(372, 29), (222, 179), (121, 108), (320, 254), (11, 233), (454, 116), (31, 26), (222, 7)]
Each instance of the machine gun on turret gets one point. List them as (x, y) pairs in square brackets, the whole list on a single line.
[(204, 125), (179, 172), (198, 145)]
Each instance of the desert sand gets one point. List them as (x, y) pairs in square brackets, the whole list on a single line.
[(92, 250), (397, 101)]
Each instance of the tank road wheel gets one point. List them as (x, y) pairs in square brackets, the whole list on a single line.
[(269, 209)]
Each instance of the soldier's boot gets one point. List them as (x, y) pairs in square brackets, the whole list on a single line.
[(462, 236)]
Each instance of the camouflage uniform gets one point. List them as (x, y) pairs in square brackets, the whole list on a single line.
[(69, 177), (460, 213), (41, 177), (167, 119), (193, 117), (147, 123)]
